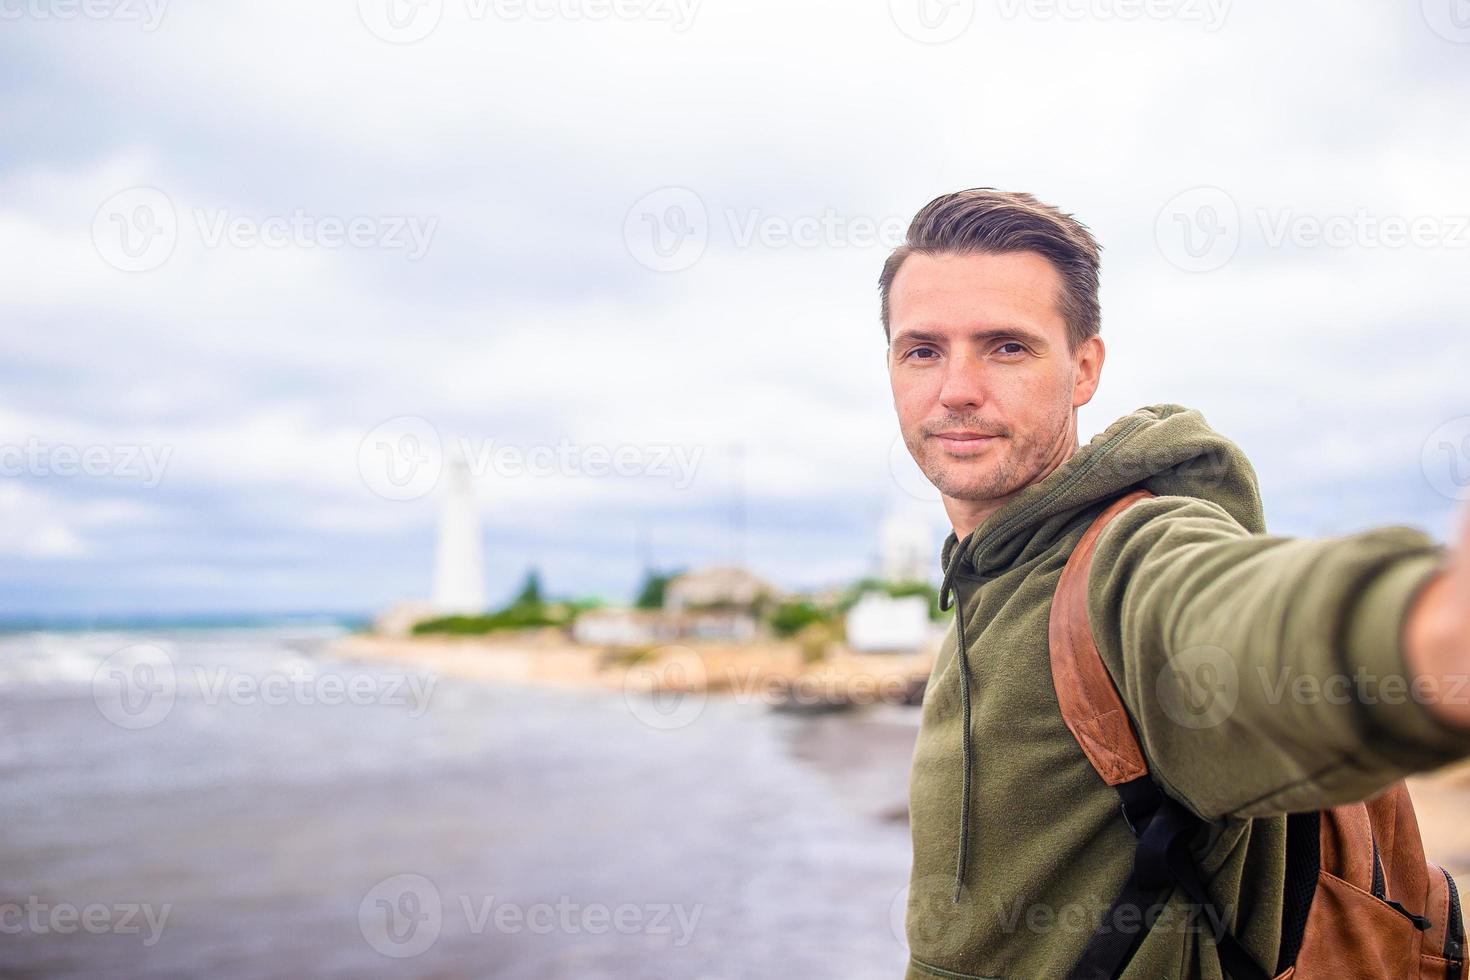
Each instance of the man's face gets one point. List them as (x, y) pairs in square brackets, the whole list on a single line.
[(979, 348)]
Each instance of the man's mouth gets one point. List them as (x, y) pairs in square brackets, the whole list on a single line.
[(963, 443)]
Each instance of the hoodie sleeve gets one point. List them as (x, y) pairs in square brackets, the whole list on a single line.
[(1265, 674)]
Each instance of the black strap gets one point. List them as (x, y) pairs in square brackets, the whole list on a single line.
[(1111, 947), (1161, 862)]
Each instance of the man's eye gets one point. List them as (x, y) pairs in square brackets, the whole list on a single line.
[(922, 350), (1020, 348)]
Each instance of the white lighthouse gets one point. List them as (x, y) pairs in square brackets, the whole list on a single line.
[(906, 546), (459, 560)]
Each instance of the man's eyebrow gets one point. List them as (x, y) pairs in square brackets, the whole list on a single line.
[(991, 333)]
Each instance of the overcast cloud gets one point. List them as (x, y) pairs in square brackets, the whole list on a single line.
[(236, 239)]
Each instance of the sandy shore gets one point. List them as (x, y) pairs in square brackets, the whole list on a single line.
[(768, 671)]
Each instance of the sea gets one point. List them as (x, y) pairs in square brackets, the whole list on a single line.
[(236, 800)]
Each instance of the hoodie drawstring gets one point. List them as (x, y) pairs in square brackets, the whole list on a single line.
[(947, 588)]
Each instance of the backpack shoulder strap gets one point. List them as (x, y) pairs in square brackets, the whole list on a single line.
[(1094, 713), (1089, 700)]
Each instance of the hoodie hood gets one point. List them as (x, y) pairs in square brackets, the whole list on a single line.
[(1167, 449)]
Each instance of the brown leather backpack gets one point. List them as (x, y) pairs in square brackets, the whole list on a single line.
[(1360, 899)]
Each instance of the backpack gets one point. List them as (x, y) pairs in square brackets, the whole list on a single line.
[(1360, 898)]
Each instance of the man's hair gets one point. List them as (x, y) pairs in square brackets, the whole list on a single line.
[(985, 221)]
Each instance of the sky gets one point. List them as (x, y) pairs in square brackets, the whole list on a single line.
[(267, 266)]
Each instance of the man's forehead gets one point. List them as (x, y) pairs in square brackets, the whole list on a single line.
[(938, 289)]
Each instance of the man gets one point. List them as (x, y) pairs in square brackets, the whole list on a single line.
[(1203, 620)]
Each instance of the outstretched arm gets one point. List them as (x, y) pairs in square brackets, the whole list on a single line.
[(1268, 674)]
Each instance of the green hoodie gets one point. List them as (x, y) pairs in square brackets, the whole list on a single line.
[(1186, 589)]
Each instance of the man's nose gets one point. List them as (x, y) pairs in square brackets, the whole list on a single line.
[(964, 383)]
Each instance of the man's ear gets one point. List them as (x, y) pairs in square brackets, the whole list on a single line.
[(1088, 363)]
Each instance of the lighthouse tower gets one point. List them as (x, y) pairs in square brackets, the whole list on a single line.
[(459, 561)]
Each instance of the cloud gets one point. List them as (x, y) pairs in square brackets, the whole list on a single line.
[(529, 323)]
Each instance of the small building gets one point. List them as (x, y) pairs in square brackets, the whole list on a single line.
[(879, 622), (721, 602), (624, 627), (718, 587)]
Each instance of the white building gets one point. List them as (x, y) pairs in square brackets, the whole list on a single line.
[(879, 622), (459, 563)]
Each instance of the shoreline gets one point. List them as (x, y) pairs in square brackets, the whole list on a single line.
[(774, 671)]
